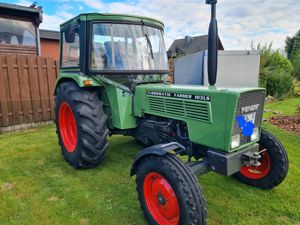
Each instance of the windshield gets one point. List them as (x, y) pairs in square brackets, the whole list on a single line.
[(127, 47)]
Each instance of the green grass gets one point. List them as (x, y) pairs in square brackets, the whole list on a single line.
[(38, 187), (287, 107)]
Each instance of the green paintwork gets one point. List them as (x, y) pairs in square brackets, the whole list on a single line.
[(117, 97), (75, 76), (114, 17), (215, 132), (120, 103)]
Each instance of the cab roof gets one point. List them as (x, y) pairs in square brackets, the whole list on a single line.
[(115, 17)]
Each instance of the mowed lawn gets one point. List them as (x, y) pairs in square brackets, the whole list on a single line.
[(38, 187)]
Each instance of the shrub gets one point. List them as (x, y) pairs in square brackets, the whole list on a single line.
[(275, 72), (296, 88), (279, 84)]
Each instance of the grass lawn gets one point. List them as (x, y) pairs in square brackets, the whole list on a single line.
[(287, 107), (38, 187)]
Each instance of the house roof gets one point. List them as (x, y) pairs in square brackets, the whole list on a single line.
[(23, 11), (49, 34), (190, 45)]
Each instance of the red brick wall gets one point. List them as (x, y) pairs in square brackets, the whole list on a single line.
[(50, 48)]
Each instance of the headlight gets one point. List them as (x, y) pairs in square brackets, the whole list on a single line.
[(255, 134), (235, 141)]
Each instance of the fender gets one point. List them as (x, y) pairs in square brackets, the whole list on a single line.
[(80, 80), (93, 81), (159, 150)]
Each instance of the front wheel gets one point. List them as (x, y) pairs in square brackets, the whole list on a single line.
[(168, 192), (273, 168)]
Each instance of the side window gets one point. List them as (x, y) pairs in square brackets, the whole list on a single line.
[(99, 52), (70, 51)]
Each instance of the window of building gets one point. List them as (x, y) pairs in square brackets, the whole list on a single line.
[(17, 32)]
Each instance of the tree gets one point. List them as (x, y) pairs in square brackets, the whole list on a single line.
[(292, 44), (296, 63), (279, 84)]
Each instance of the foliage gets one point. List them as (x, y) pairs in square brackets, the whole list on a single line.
[(275, 72), (292, 48), (296, 64), (296, 88), (292, 44), (279, 84)]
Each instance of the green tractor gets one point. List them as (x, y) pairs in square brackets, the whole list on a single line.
[(113, 80)]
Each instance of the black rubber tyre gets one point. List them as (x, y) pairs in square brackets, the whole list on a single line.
[(90, 144), (278, 164), (191, 210)]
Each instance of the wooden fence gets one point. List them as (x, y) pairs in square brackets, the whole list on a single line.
[(26, 89)]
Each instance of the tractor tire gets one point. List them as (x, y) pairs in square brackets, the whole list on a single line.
[(168, 192), (274, 164), (80, 125)]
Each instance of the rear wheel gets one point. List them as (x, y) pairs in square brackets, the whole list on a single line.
[(168, 192), (273, 168), (81, 125)]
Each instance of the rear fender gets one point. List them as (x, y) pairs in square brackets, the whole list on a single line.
[(81, 81)]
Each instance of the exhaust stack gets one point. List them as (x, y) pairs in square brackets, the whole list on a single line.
[(212, 62)]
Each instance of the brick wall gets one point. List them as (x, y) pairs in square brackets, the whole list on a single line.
[(171, 67), (50, 48)]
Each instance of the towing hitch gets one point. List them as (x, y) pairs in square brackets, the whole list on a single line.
[(252, 158)]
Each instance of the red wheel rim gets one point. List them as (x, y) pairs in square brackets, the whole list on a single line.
[(67, 127), (161, 199), (258, 172)]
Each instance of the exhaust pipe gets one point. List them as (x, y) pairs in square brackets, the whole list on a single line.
[(212, 62)]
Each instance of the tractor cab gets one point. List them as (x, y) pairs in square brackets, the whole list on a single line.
[(115, 46)]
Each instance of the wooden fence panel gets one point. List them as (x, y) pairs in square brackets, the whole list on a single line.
[(35, 89), (4, 118), (26, 89), (43, 89), (14, 90)]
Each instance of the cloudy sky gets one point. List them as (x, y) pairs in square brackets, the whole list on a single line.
[(240, 21)]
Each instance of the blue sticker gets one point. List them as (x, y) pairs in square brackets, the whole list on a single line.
[(247, 127)]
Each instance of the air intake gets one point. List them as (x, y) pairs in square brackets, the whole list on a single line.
[(180, 108)]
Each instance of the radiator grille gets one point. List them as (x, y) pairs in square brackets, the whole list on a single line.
[(189, 109), (248, 99)]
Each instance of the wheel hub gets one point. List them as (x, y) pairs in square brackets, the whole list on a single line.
[(161, 200)]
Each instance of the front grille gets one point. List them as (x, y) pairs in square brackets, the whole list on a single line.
[(249, 99), (189, 109)]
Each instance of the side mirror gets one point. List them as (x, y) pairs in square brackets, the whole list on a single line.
[(70, 33), (70, 37)]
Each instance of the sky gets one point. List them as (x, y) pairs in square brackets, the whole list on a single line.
[(240, 21)]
